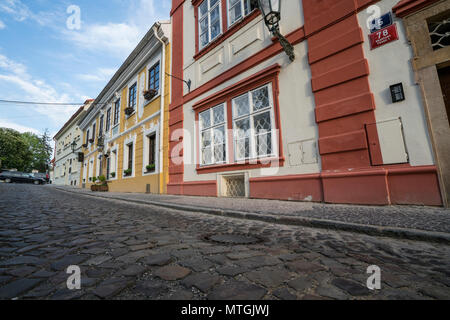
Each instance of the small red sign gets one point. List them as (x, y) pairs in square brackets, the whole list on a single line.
[(383, 36)]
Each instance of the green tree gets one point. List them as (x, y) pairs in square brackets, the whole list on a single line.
[(40, 149), (26, 151), (14, 150)]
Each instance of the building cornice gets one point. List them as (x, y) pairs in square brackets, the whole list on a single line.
[(147, 47), (407, 7)]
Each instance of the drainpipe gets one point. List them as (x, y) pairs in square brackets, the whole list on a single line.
[(163, 86)]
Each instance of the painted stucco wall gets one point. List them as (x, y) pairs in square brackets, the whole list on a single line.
[(296, 115), (135, 128), (250, 39), (295, 97), (65, 158), (391, 64)]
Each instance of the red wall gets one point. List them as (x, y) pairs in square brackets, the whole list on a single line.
[(344, 105)]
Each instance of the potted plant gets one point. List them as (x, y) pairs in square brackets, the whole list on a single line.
[(113, 174), (101, 185), (129, 111), (150, 94), (150, 167), (100, 141), (94, 179), (127, 172)]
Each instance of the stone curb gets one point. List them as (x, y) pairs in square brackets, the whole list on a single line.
[(393, 232)]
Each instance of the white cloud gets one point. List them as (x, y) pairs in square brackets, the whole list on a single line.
[(11, 66), (2, 25), (7, 124), (102, 74), (29, 88), (20, 12), (17, 9), (119, 39)]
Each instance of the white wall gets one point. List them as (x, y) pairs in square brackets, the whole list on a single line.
[(62, 159), (296, 102), (391, 64), (247, 41)]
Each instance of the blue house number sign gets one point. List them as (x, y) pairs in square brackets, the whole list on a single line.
[(380, 23)]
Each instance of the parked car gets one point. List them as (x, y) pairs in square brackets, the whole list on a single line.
[(42, 175), (20, 177)]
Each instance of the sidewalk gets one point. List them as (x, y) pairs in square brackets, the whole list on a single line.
[(410, 222)]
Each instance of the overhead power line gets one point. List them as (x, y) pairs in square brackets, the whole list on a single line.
[(42, 103)]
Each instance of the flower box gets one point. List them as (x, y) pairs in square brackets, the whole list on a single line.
[(129, 111), (99, 188), (150, 168), (150, 94)]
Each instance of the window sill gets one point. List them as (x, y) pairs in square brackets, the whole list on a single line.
[(149, 173), (225, 35), (242, 165), (129, 116), (147, 102)]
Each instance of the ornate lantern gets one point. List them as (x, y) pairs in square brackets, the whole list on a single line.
[(271, 10)]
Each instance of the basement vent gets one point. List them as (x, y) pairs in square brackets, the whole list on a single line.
[(234, 186)]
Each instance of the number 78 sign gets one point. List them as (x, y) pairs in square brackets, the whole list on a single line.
[(383, 36)]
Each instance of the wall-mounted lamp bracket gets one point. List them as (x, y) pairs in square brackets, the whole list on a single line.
[(188, 82)]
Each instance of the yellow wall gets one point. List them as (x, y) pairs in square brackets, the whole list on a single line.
[(137, 183)]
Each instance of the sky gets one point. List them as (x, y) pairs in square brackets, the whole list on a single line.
[(47, 54)]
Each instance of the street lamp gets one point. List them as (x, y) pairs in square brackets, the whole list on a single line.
[(73, 145), (271, 10)]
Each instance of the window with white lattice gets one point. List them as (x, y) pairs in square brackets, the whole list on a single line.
[(253, 124), (213, 146), (209, 20), (238, 9)]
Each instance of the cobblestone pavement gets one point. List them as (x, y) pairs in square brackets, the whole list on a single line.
[(412, 217), (132, 251)]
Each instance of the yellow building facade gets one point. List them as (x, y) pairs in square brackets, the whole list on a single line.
[(125, 131)]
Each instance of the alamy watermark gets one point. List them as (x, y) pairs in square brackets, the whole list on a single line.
[(373, 21), (374, 281), (73, 22), (74, 280)]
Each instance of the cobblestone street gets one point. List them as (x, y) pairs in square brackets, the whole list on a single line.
[(137, 251)]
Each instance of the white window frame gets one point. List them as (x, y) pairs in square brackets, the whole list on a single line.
[(85, 169), (152, 63), (207, 15), (252, 154), (91, 169), (110, 124), (211, 130), (97, 166), (114, 166), (130, 84), (153, 130), (126, 143), (92, 133), (230, 23)]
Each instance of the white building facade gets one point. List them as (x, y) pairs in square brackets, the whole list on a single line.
[(344, 122), (68, 146)]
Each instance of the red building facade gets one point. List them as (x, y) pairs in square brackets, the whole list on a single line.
[(360, 147)]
